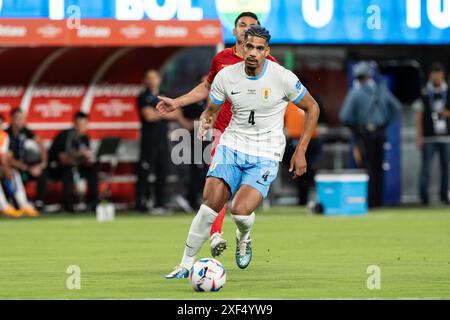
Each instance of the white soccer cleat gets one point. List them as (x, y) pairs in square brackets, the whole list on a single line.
[(218, 244)]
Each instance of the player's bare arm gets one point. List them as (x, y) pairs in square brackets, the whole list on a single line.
[(207, 119), (298, 163), (199, 93)]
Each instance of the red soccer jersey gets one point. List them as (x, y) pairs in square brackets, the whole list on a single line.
[(222, 59)]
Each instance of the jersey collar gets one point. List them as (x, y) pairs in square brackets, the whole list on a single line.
[(266, 62)]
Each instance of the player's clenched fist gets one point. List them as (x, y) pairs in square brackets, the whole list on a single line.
[(166, 105), (205, 125), (298, 164)]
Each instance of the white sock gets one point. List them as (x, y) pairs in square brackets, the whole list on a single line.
[(244, 224), (198, 234), (20, 194)]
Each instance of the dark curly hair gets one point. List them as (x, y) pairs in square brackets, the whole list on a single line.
[(257, 31)]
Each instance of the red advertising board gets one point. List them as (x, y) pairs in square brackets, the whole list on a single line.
[(51, 84), (104, 32), (54, 68)]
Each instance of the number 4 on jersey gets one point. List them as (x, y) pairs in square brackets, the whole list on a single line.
[(251, 118)]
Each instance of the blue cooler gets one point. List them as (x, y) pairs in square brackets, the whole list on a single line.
[(342, 193)]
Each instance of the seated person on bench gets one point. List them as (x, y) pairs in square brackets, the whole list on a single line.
[(13, 199), (70, 155)]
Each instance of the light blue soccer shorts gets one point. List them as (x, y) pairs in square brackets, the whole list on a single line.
[(237, 168)]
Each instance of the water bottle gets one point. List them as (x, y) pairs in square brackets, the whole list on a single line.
[(105, 211)]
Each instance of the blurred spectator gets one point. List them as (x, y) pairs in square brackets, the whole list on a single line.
[(70, 158), (187, 118), (154, 145), (432, 111), (11, 184), (29, 155), (368, 109)]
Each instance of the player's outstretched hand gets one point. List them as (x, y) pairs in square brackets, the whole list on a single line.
[(298, 164), (205, 125), (166, 105)]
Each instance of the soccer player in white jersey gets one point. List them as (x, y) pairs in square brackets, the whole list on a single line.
[(247, 157)]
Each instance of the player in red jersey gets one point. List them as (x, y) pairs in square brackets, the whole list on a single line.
[(226, 57)]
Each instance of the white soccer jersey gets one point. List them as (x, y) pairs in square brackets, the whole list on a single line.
[(258, 105)]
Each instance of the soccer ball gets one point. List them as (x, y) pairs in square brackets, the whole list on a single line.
[(207, 274)]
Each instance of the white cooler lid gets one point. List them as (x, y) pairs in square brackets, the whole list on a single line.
[(341, 177)]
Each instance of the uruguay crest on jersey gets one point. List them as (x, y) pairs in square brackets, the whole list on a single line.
[(265, 92)]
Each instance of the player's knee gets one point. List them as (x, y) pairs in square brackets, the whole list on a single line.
[(212, 200), (214, 205), (215, 194), (240, 209)]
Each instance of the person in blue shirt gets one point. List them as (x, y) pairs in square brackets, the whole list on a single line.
[(368, 109)]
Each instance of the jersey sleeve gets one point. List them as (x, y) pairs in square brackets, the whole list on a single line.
[(214, 69), (217, 93), (293, 89)]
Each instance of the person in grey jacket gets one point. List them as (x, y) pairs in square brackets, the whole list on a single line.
[(368, 109)]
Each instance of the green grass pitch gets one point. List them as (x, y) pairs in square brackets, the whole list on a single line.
[(295, 256)]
